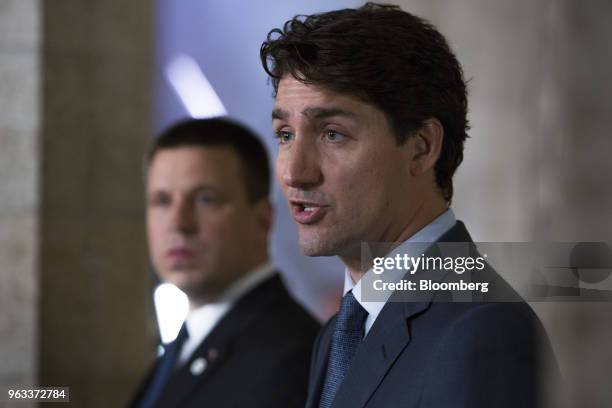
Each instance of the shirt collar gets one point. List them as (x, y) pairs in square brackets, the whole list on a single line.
[(199, 320), (428, 234)]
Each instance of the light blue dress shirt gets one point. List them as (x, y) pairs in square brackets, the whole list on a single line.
[(428, 234)]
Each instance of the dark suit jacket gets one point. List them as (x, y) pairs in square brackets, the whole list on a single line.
[(257, 356), (431, 354)]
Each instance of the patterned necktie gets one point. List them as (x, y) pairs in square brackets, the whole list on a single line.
[(347, 336), (164, 369)]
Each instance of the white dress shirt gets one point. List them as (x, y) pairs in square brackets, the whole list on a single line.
[(428, 234), (201, 321)]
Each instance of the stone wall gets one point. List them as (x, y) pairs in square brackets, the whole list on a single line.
[(20, 81), (75, 115), (96, 106)]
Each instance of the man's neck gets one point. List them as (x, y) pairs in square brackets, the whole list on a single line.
[(424, 215), (220, 293)]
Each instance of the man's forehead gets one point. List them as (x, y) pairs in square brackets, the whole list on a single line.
[(192, 153), (290, 89), (314, 102), (184, 163)]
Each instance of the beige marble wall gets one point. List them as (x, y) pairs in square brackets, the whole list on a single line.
[(96, 106), (19, 196)]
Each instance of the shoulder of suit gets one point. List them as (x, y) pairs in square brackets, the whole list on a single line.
[(494, 322), (277, 310)]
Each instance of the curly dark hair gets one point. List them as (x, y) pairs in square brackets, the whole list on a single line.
[(383, 56)]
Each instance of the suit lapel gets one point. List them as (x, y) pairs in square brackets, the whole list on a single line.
[(318, 375), (200, 366), (217, 346), (386, 340)]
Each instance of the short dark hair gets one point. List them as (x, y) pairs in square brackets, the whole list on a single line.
[(221, 132), (383, 56)]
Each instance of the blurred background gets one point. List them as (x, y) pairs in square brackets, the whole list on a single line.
[(84, 85)]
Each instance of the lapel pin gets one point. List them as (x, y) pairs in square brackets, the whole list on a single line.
[(198, 366)]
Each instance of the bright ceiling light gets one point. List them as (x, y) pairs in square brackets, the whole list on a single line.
[(193, 89)]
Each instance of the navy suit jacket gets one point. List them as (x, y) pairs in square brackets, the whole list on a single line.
[(257, 356), (432, 354)]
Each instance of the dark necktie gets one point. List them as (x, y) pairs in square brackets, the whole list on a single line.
[(164, 369), (347, 336)]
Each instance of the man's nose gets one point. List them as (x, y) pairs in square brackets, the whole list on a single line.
[(299, 165), (183, 217)]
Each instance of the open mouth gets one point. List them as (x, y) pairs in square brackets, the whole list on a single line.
[(307, 213)]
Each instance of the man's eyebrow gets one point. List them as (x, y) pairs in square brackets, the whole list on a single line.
[(279, 114), (322, 113), (314, 113), (204, 187)]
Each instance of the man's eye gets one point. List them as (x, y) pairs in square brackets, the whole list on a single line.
[(206, 199), (334, 136), (283, 136), (159, 201)]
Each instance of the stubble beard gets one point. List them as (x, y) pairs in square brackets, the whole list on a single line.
[(331, 242)]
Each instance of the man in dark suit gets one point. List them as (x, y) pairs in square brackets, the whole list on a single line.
[(371, 118), (245, 341)]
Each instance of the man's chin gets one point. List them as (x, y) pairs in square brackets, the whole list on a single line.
[(199, 291), (311, 246), (186, 281), (186, 288)]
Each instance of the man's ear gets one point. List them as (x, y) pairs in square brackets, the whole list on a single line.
[(427, 145)]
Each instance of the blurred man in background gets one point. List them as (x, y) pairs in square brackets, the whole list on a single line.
[(245, 342), (371, 118)]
